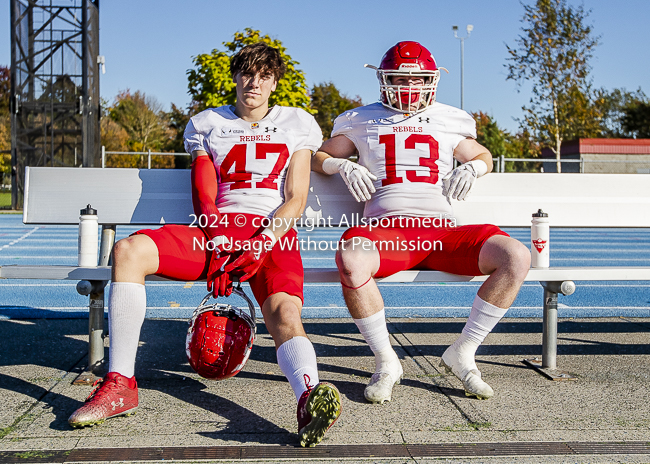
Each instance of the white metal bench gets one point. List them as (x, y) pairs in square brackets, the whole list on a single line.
[(152, 197)]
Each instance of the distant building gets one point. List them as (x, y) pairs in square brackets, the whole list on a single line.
[(618, 156)]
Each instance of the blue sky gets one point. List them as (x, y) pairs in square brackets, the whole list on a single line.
[(149, 44)]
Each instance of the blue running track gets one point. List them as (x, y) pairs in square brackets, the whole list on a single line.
[(22, 244)]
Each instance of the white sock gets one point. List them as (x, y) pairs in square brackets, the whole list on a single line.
[(297, 361), (127, 305), (482, 319), (374, 331)]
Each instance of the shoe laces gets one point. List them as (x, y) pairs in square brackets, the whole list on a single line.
[(102, 387), (307, 381)]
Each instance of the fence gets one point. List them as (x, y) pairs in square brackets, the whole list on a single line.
[(500, 163), (591, 164), (151, 158)]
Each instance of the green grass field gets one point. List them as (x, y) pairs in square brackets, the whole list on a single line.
[(5, 200)]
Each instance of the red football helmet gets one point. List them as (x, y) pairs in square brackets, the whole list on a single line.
[(408, 59), (220, 338)]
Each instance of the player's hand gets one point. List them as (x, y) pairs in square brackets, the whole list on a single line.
[(459, 182), (219, 282), (254, 251), (357, 178)]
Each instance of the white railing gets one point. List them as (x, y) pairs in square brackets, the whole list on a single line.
[(149, 154), (499, 161)]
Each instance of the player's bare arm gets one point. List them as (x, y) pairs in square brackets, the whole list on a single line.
[(470, 150), (337, 147), (331, 158), (296, 190), (476, 162)]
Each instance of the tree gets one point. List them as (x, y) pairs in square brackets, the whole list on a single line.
[(5, 89), (5, 120), (553, 54), (143, 120), (636, 119), (489, 134), (177, 120), (614, 105), (328, 103), (502, 143), (210, 83)]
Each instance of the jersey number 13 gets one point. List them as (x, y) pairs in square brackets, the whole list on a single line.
[(388, 140)]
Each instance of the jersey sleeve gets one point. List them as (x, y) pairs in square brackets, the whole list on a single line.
[(461, 123), (343, 125), (313, 137), (193, 137)]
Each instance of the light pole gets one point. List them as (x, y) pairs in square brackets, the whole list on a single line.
[(470, 28)]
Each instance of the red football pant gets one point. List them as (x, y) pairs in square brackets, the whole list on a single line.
[(449, 249)]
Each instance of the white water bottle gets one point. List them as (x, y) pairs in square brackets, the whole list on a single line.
[(88, 236), (539, 240)]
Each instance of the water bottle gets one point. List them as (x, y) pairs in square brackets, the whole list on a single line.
[(539, 240), (88, 235)]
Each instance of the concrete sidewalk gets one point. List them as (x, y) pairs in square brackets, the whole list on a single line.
[(603, 416)]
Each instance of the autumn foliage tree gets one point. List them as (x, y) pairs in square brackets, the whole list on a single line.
[(501, 143), (138, 122), (210, 83), (553, 54), (5, 120), (328, 103)]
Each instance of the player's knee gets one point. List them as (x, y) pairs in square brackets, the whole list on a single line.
[(128, 252), (518, 259), (353, 260)]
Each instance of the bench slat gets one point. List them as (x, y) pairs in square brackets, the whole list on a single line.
[(159, 196), (557, 274)]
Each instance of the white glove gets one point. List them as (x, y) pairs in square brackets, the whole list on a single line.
[(356, 177), (458, 182)]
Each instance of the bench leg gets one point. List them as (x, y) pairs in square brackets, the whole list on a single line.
[(548, 365), (96, 330), (96, 368), (549, 330), (95, 289)]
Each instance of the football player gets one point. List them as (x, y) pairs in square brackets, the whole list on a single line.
[(406, 144), (250, 180)]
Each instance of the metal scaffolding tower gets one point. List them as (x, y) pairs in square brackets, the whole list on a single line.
[(54, 86)]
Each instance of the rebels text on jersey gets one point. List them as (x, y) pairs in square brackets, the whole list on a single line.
[(409, 154), (251, 159)]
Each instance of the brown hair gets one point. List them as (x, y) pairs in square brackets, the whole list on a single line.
[(258, 58)]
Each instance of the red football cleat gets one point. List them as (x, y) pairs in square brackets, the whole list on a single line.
[(114, 395), (318, 409)]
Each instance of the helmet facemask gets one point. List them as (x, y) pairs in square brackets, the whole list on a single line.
[(408, 98)]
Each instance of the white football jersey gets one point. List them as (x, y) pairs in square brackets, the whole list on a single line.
[(251, 159), (409, 154)]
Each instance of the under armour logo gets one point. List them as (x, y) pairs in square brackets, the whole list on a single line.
[(424, 119), (117, 405), (270, 129)]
